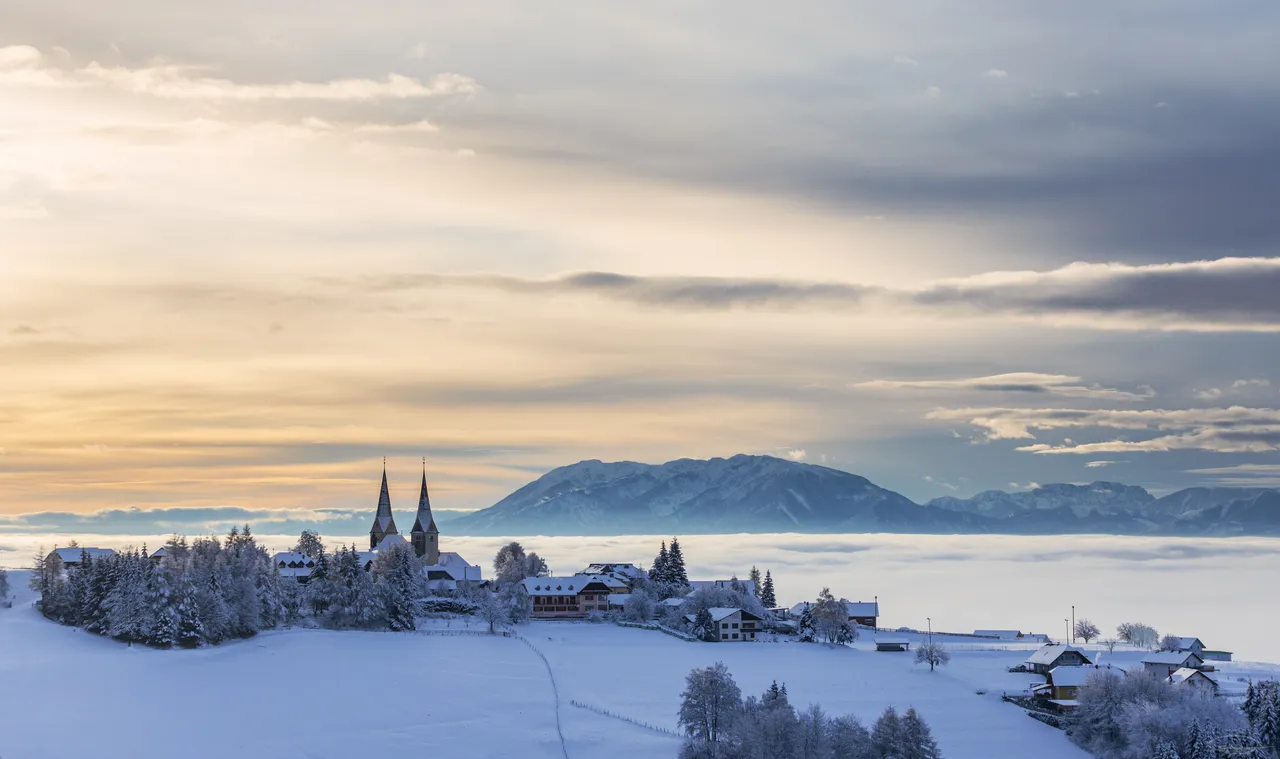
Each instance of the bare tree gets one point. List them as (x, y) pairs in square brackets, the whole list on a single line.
[(1086, 630), (1110, 643), (1170, 643), (708, 703), (309, 544), (932, 654), (1137, 634)]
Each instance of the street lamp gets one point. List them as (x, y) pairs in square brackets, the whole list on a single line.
[(1067, 624)]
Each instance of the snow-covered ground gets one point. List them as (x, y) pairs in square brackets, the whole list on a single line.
[(314, 694)]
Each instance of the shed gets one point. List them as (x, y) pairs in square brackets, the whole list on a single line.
[(892, 643)]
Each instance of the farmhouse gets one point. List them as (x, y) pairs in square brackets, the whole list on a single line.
[(1055, 655), (566, 597), (70, 557), (865, 613), (1193, 678), (624, 573), (1165, 663), (733, 624), (1188, 644), (292, 564), (1064, 683)]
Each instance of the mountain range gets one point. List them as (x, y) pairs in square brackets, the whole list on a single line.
[(763, 494)]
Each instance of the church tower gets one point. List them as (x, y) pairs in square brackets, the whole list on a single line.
[(425, 535), (384, 523)]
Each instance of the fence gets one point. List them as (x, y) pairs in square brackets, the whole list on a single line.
[(555, 690), (624, 718), (659, 628)]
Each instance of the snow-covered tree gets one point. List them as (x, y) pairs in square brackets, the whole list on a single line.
[(160, 618), (401, 584), (493, 611), (709, 703), (918, 737), (1110, 643), (756, 581), (849, 738), (813, 739), (517, 603), (660, 572), (641, 606), (767, 597), (4, 585), (309, 544), (1137, 634), (932, 654), (888, 738), (1086, 630), (190, 631), (830, 619), (676, 570), (1170, 643), (1262, 710), (704, 627), (513, 564)]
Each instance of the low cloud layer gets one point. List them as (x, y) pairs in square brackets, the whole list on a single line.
[(1015, 382)]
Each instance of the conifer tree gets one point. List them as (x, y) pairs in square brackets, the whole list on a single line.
[(704, 626), (660, 573), (917, 737), (676, 573), (755, 581), (767, 597), (189, 630), (887, 737)]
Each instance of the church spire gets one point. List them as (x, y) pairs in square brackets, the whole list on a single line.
[(425, 535), (384, 523)]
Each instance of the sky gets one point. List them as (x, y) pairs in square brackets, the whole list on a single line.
[(246, 255)]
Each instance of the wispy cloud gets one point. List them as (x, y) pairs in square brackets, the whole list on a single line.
[(1100, 464), (1014, 382), (23, 65)]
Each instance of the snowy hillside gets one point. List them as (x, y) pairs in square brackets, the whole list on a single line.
[(738, 494), (764, 494)]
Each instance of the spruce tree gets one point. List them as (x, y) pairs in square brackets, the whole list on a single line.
[(704, 626), (189, 630), (767, 597), (661, 566), (917, 737), (676, 571), (755, 581), (888, 737)]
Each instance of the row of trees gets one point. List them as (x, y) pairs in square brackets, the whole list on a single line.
[(668, 567), (764, 589), (827, 619), (1141, 717), (720, 724), (207, 591)]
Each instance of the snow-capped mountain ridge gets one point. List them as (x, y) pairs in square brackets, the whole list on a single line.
[(746, 493)]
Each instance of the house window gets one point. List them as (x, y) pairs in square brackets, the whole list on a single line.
[(735, 625), (724, 636), (724, 625), (735, 636)]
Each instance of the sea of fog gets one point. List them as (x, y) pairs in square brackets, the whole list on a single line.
[(1226, 591)]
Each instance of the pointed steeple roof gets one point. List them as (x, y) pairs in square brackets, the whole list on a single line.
[(425, 522), (384, 522)]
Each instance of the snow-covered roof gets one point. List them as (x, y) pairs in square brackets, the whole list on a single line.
[(451, 559), (892, 640), (1184, 674), (673, 602), (390, 541), (560, 586), (1170, 657), (1065, 677), (1187, 644), (863, 608), (453, 566), (1050, 653), (615, 568), (719, 613), (72, 555)]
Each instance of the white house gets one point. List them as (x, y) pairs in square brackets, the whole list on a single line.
[(294, 565), (732, 624), (1193, 678), (625, 573), (451, 570), (1055, 655), (1165, 663)]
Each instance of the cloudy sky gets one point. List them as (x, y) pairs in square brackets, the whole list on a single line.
[(950, 247)]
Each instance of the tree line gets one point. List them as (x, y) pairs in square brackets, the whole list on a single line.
[(720, 724)]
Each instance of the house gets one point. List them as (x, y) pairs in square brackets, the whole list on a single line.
[(1064, 683), (733, 624), (566, 597), (70, 557), (1193, 678), (449, 570), (623, 572), (747, 586), (1165, 663), (889, 643), (294, 565), (1215, 655), (1188, 644), (1017, 635), (673, 603), (1055, 655), (863, 613)]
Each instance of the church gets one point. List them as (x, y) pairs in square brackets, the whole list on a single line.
[(444, 570)]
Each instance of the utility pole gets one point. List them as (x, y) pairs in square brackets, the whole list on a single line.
[(930, 620), (1073, 623), (1067, 624)]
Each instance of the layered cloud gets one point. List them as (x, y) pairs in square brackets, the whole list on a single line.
[(23, 65), (1014, 382), (1229, 430)]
